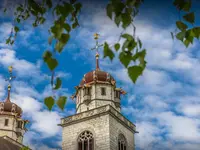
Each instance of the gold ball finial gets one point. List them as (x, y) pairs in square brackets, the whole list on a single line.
[(96, 36), (10, 68)]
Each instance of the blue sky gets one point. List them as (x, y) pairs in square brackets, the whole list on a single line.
[(164, 103)]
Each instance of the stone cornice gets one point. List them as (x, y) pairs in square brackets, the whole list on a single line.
[(107, 109)]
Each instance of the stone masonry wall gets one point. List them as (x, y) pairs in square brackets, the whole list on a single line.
[(99, 126), (98, 99), (115, 129), (11, 126)]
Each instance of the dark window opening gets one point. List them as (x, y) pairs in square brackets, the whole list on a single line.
[(103, 91), (87, 91), (6, 122), (86, 141), (19, 124), (122, 142), (117, 94)]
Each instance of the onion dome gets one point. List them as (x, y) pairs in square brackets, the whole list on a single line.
[(97, 76), (8, 107)]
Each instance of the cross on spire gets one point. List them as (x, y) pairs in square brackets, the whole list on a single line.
[(9, 79), (96, 37)]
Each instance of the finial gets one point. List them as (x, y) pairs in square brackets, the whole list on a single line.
[(96, 37), (9, 79)]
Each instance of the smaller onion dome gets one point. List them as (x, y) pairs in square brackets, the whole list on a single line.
[(97, 76), (9, 107)]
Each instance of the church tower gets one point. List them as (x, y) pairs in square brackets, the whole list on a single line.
[(11, 123), (98, 123)]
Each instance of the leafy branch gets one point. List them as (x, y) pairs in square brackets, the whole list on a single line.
[(123, 14), (187, 31)]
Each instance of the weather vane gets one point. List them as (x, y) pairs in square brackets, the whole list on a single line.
[(11, 77), (96, 37)]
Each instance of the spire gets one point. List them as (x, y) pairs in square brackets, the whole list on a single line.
[(97, 61), (9, 79), (96, 37)]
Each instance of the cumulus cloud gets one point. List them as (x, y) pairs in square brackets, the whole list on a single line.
[(21, 66)]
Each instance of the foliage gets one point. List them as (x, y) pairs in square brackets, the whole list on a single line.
[(187, 31), (122, 13)]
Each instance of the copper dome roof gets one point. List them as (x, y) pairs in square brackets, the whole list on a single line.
[(8, 107), (97, 76)]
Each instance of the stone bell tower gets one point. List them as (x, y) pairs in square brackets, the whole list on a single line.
[(11, 123), (98, 123)]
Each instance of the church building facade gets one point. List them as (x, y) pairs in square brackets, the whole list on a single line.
[(98, 123)]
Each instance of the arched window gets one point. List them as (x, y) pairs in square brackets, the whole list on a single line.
[(122, 145), (86, 141)]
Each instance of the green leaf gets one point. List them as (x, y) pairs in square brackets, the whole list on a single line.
[(140, 43), (49, 3), (187, 6), (125, 58), (196, 31), (134, 72), (189, 17), (58, 84), (16, 29), (130, 2), (59, 46), (52, 63), (57, 30), (181, 25), (78, 6), (49, 102), (61, 102), (126, 19), (5, 9), (108, 52), (140, 54), (47, 54), (63, 41), (179, 4), (186, 43), (180, 35), (64, 38), (18, 20), (20, 9), (118, 19), (42, 20), (67, 27), (50, 39), (75, 24), (117, 46), (109, 9), (118, 7), (68, 8), (127, 36)]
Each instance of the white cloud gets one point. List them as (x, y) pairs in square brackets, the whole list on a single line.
[(147, 135), (155, 102), (180, 128), (192, 110), (21, 66), (46, 122)]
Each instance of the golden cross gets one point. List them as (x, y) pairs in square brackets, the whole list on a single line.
[(96, 37)]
